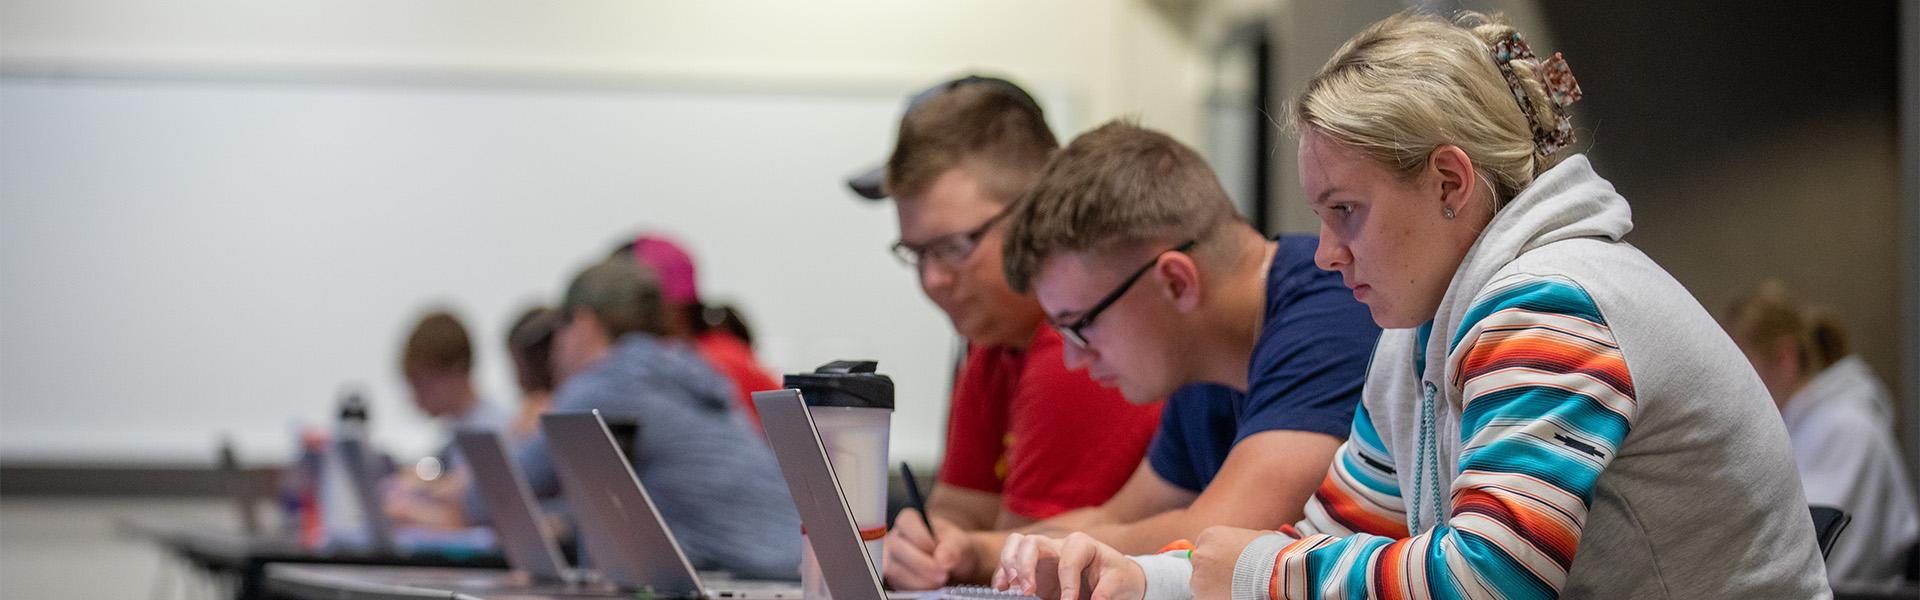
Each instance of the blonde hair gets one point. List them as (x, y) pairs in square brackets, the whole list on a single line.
[(1414, 82), (1767, 315)]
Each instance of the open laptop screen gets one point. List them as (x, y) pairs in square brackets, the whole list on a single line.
[(626, 540), (816, 493), (523, 535)]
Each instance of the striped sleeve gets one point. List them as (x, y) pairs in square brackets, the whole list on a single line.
[(1360, 493), (1548, 401)]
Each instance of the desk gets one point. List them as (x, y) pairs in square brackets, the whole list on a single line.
[(360, 582), (245, 558)]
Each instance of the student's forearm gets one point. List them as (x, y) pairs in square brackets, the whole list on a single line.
[(1145, 536), (961, 518), (1071, 521), (963, 508), (1149, 535)]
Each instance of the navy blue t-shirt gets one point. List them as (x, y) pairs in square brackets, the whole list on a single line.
[(1305, 373)]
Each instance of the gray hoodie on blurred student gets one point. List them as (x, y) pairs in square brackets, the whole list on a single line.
[(713, 479)]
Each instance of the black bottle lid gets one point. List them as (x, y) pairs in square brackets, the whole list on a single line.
[(353, 406), (845, 383)]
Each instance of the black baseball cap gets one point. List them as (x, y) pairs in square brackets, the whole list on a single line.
[(871, 183)]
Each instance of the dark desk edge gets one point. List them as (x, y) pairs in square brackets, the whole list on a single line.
[(128, 479)]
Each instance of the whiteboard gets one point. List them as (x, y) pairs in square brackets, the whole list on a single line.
[(187, 258)]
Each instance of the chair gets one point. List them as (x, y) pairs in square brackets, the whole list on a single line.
[(1828, 522)]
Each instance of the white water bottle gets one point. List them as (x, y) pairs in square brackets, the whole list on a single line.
[(852, 407), (341, 514)]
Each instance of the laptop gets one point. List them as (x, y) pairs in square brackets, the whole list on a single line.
[(824, 512), (363, 486), (629, 543), (538, 567), (517, 523), (376, 532)]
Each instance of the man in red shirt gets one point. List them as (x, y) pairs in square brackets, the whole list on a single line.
[(1020, 425)]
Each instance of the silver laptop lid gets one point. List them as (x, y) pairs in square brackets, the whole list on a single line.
[(626, 539), (366, 492), (816, 493), (516, 519)]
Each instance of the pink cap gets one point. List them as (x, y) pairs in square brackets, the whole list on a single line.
[(671, 264)]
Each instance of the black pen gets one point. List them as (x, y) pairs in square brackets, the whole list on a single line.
[(919, 503)]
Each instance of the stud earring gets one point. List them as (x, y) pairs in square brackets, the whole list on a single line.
[(1448, 211)]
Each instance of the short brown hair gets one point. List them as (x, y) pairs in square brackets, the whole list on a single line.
[(622, 294), (438, 343), (1119, 184), (530, 342), (984, 124)]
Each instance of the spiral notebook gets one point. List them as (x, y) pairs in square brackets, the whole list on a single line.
[(961, 592), (823, 508)]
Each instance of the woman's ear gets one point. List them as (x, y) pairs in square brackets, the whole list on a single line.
[(1452, 173)]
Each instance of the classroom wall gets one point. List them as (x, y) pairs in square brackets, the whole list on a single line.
[(149, 308), (1909, 66), (1116, 58)]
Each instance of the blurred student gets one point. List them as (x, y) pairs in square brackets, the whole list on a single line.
[(438, 365), (437, 362), (728, 319), (686, 319), (530, 344), (1839, 416), (714, 482), (1549, 413)]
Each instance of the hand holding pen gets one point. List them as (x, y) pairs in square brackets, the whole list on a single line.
[(917, 558)]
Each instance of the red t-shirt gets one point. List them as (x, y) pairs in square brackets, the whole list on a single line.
[(734, 360), (1046, 439)]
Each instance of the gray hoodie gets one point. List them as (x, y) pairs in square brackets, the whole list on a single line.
[(713, 479), (1602, 407)]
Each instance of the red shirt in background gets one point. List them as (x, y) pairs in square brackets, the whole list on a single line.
[(1046, 439), (733, 359)]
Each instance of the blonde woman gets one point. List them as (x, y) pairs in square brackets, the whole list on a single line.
[(1549, 413), (1838, 415)]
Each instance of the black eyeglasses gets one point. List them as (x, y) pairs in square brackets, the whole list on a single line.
[(1071, 331), (947, 250)]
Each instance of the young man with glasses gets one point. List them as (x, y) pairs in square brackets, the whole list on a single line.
[(1136, 254), (1019, 419)]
